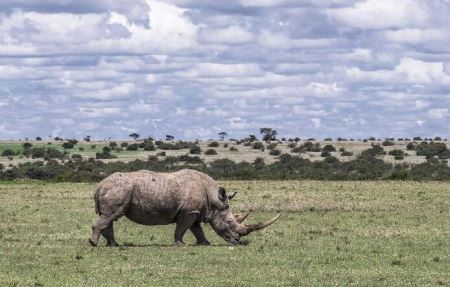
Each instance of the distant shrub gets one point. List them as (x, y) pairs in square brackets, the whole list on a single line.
[(398, 154), (328, 139), (38, 152), (275, 152), (225, 145), (190, 159), (8, 152), (410, 146), (195, 149), (124, 144), (77, 157), (387, 143), (27, 145), (213, 144), (133, 147), (210, 152), (272, 146), (106, 149), (258, 145), (54, 153), (430, 149), (162, 153), (93, 146), (81, 148), (328, 148), (148, 145), (325, 154), (307, 147), (345, 152), (104, 155), (113, 145), (375, 151), (68, 145), (233, 148), (152, 157)]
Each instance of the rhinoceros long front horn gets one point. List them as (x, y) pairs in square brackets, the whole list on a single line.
[(245, 229)]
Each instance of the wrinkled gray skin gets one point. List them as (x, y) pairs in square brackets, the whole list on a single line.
[(186, 197)]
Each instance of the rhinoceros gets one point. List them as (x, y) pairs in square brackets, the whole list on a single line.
[(186, 197)]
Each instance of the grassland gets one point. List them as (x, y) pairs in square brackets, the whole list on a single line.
[(331, 234)]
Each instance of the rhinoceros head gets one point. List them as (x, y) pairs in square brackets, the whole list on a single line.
[(231, 228)]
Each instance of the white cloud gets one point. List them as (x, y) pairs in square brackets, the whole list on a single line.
[(229, 35), (382, 14), (416, 36), (437, 114)]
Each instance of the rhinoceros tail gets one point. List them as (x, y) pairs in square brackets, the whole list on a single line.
[(96, 196)]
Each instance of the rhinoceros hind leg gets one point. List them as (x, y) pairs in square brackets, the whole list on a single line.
[(184, 222), (108, 233), (199, 235)]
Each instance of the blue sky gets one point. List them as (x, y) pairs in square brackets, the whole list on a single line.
[(193, 68)]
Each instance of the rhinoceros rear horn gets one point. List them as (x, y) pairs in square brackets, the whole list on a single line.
[(241, 216), (245, 229)]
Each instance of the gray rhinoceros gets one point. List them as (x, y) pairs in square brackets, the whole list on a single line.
[(186, 197)]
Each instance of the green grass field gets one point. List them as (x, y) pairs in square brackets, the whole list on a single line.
[(330, 234)]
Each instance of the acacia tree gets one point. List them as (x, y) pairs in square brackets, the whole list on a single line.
[(268, 134), (222, 135), (169, 138), (135, 136)]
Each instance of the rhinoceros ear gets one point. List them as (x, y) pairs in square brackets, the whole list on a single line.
[(230, 197), (222, 194)]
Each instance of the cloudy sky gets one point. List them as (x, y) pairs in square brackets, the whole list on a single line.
[(193, 68)]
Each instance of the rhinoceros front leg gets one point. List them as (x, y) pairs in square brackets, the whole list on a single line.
[(184, 222), (199, 235)]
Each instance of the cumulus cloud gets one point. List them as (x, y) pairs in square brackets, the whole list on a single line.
[(193, 68)]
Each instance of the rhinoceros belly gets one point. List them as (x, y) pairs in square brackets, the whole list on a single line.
[(154, 202)]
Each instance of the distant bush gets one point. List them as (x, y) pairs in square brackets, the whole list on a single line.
[(213, 144), (113, 145), (133, 147), (375, 151), (106, 149), (398, 154), (325, 154), (307, 147), (258, 145), (68, 145), (81, 148), (104, 155), (328, 148), (77, 157), (275, 152), (152, 157), (210, 152), (148, 145), (410, 146), (233, 148), (272, 146), (8, 152), (387, 143), (195, 149), (328, 139), (162, 153), (93, 146), (124, 144), (430, 149)]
